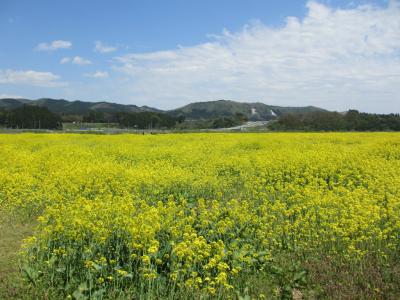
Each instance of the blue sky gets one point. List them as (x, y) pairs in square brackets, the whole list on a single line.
[(333, 54)]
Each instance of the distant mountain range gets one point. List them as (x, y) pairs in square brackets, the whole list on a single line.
[(61, 106), (193, 111)]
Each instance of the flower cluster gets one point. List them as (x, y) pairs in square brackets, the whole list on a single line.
[(197, 212)]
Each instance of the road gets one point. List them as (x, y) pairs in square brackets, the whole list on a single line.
[(247, 125)]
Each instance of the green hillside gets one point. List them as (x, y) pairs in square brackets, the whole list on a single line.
[(61, 106), (228, 108), (11, 103), (194, 111)]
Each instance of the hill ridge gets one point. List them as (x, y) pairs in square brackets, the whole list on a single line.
[(228, 108), (195, 110)]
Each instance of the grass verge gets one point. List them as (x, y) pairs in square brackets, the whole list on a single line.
[(12, 233)]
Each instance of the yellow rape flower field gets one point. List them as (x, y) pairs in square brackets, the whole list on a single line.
[(201, 215)]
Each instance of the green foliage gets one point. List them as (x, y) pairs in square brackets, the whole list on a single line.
[(94, 117), (3, 116), (221, 122), (334, 121), (30, 117), (225, 122), (147, 120)]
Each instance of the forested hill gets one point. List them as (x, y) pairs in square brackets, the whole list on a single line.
[(228, 108), (65, 107), (195, 111)]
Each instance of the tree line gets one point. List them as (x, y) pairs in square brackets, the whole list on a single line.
[(29, 117), (139, 120), (334, 121), (36, 117)]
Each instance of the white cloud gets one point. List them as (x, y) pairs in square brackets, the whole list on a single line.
[(98, 74), (102, 48), (34, 78), (334, 58), (54, 45), (2, 96), (77, 60), (65, 60)]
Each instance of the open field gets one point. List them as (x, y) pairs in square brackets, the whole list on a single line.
[(222, 215)]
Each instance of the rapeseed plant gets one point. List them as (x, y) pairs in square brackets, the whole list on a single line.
[(198, 214)]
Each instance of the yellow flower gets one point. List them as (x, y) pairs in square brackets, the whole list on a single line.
[(146, 259)]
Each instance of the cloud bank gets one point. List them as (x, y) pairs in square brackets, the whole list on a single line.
[(77, 60), (55, 45), (33, 78), (98, 74), (334, 58), (102, 48), (2, 96)]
